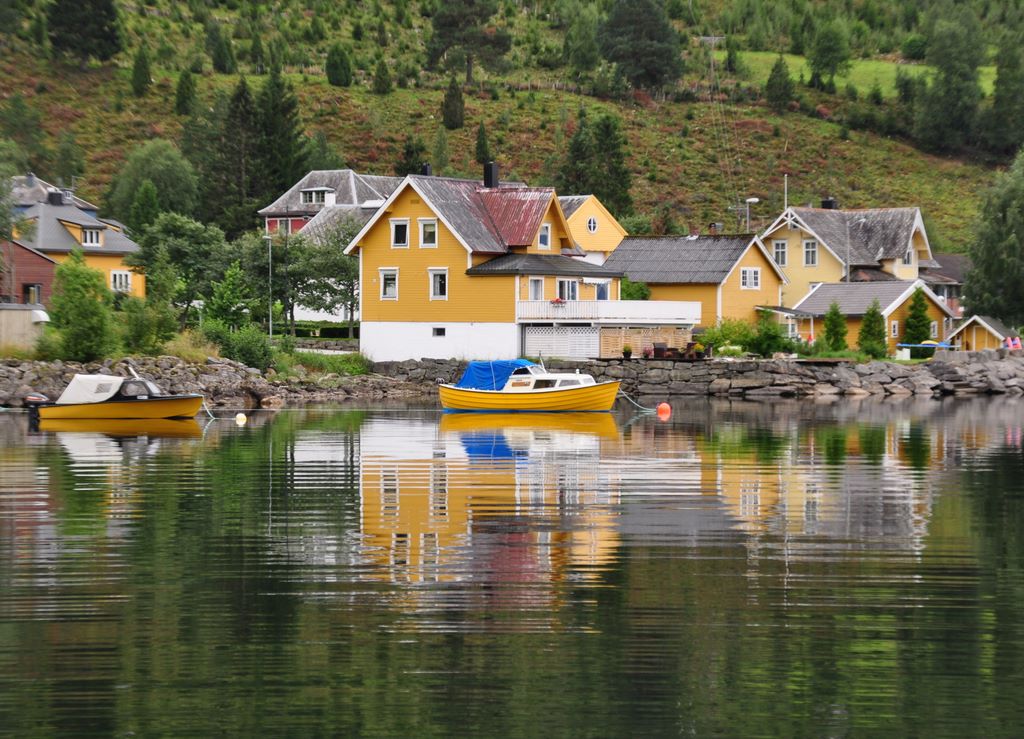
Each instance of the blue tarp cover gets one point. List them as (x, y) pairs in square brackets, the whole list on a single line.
[(490, 375)]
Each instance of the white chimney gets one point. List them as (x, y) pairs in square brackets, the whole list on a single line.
[(330, 198)]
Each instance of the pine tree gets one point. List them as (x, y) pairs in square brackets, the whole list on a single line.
[(872, 338), (778, 91), (578, 172), (613, 179), (223, 53), (256, 54), (338, 67), (1004, 130), (414, 153), (464, 26), (483, 151), (917, 328), (140, 72), (185, 93), (835, 328), (85, 28), (282, 149), (81, 309), (381, 78), (439, 155), (639, 38), (233, 182), (453, 108)]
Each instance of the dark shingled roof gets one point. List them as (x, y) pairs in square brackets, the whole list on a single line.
[(871, 274), (571, 203), (349, 187), (854, 298), (27, 190), (950, 267), (541, 264), (678, 259), (50, 235), (872, 234), (334, 216), (1000, 328)]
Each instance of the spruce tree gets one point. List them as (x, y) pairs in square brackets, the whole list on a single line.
[(1004, 130), (85, 28), (223, 53), (917, 327), (185, 93), (145, 207), (778, 91), (140, 72), (872, 337), (381, 78), (464, 26), (282, 149), (581, 49), (612, 177), (338, 67), (453, 108), (81, 309), (639, 38), (238, 165), (439, 156), (578, 172), (414, 153), (483, 150), (835, 328), (256, 54)]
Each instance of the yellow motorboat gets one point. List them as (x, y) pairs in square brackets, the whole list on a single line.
[(520, 385), (110, 396)]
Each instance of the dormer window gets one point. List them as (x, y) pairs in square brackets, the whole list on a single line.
[(314, 197), (90, 237), (544, 240)]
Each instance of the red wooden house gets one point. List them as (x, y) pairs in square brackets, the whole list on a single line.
[(27, 275)]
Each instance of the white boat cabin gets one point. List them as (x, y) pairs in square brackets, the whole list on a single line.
[(535, 377)]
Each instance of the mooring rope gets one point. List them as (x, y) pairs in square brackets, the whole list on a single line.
[(644, 408)]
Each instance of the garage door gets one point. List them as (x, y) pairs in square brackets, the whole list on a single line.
[(565, 342)]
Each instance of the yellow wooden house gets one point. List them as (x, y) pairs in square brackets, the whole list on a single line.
[(730, 276), (980, 332), (854, 299), (816, 245), (58, 225), (593, 228), (459, 268)]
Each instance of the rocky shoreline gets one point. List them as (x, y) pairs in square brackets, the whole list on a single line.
[(229, 384)]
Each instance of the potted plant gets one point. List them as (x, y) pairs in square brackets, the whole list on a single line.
[(627, 351)]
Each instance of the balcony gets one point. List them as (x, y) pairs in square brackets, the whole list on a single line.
[(634, 312)]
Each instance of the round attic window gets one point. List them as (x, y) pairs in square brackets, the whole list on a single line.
[(592, 224)]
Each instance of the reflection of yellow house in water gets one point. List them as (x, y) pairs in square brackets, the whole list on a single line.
[(427, 492)]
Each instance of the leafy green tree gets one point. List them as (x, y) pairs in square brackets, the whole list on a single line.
[(145, 207), (69, 159), (439, 155), (141, 75), (338, 66), (159, 162), (483, 149), (871, 339), (462, 30), (231, 298), (325, 278), (81, 308), (629, 290), (414, 153), (835, 328), (185, 93), (84, 28), (830, 53), (778, 91), (21, 123), (947, 113), (453, 108), (381, 78), (581, 49), (1004, 129), (282, 146), (639, 38)]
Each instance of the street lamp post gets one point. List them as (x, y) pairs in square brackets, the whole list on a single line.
[(749, 202), (270, 286)]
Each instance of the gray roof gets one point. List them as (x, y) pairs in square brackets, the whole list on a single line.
[(50, 235), (541, 264), (27, 190), (571, 203), (870, 235), (678, 259), (854, 298), (950, 268), (349, 187), (334, 216)]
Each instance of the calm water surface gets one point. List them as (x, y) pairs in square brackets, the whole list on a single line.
[(744, 569)]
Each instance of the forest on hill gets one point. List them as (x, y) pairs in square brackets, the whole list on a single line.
[(708, 102)]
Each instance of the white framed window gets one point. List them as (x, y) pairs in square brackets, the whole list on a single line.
[(428, 233), (908, 257), (750, 278), (536, 288), (779, 252), (791, 329), (389, 283), (544, 239), (284, 226), (438, 283), (592, 225), (399, 233), (314, 197), (933, 329), (90, 237), (894, 329), (568, 289), (121, 281), (601, 291), (810, 253)]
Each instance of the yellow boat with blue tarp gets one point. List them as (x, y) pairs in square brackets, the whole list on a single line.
[(520, 385)]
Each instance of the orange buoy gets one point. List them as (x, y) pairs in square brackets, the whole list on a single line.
[(664, 411)]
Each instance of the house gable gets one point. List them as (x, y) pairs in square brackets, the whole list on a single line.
[(592, 226)]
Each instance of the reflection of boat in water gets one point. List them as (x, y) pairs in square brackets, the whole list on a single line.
[(110, 396), (182, 428), (521, 385), (595, 424)]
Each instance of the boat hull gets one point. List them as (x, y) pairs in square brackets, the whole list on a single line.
[(599, 397), (171, 406)]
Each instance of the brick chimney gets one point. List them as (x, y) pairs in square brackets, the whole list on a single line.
[(491, 175)]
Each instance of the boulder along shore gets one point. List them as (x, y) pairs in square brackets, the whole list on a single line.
[(230, 384)]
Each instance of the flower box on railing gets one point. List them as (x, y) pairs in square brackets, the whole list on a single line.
[(558, 301)]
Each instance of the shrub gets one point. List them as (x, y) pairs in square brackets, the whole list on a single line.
[(192, 346), (249, 345), (730, 332), (48, 345)]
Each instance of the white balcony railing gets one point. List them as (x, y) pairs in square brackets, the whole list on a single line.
[(611, 311)]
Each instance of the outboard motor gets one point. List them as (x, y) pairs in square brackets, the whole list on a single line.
[(33, 401)]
